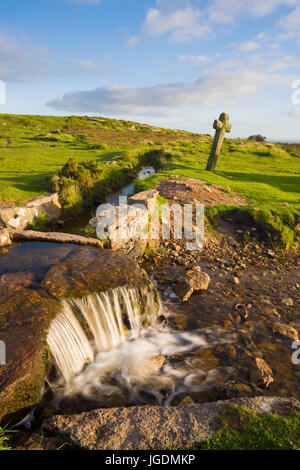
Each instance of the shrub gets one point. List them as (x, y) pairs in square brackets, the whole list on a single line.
[(70, 197), (156, 158), (70, 169)]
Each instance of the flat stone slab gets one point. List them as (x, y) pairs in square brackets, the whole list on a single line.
[(153, 427), (56, 237)]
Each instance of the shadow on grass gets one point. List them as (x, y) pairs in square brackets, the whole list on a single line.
[(286, 183), (28, 181)]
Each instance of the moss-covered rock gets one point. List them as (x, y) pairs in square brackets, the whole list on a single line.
[(25, 315), (92, 270)]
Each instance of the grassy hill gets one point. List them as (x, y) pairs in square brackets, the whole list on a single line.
[(34, 148)]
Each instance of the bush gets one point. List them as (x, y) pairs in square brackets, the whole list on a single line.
[(70, 197), (277, 152), (156, 158), (70, 169)]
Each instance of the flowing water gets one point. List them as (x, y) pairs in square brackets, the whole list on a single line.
[(110, 346)]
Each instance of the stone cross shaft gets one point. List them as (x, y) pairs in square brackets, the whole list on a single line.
[(221, 125)]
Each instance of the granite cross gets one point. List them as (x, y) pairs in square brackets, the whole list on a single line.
[(221, 125)]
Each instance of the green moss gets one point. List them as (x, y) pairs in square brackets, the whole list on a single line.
[(41, 225), (89, 232), (243, 429), (275, 227)]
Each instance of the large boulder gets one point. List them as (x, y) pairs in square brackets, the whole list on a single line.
[(47, 204), (153, 427), (147, 198), (14, 217), (92, 270), (126, 227), (25, 315)]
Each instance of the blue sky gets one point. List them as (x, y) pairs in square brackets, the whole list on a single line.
[(176, 63)]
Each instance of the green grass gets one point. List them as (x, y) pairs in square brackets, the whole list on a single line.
[(4, 439), (243, 429)]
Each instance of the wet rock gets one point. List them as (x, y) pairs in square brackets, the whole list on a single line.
[(257, 369), (24, 318), (261, 374), (192, 280), (4, 237), (158, 362), (232, 390), (151, 427), (186, 401), (11, 282), (92, 270), (285, 330), (162, 384), (56, 237)]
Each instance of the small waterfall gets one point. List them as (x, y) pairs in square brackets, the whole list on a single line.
[(103, 315), (110, 348)]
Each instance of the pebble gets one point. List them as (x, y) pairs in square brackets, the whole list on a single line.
[(271, 253), (236, 280), (287, 301)]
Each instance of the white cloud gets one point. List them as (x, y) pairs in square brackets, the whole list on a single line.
[(185, 21), (290, 25), (226, 11), (249, 46), (193, 59), (82, 67), (21, 61), (210, 90), (222, 84), (159, 22), (133, 41)]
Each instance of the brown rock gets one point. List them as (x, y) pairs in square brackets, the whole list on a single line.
[(24, 318), (147, 198), (151, 427), (12, 282), (261, 374), (193, 280), (285, 330), (47, 204), (4, 237), (92, 270), (17, 217), (287, 301)]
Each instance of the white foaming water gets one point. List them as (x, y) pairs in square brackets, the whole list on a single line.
[(99, 357)]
